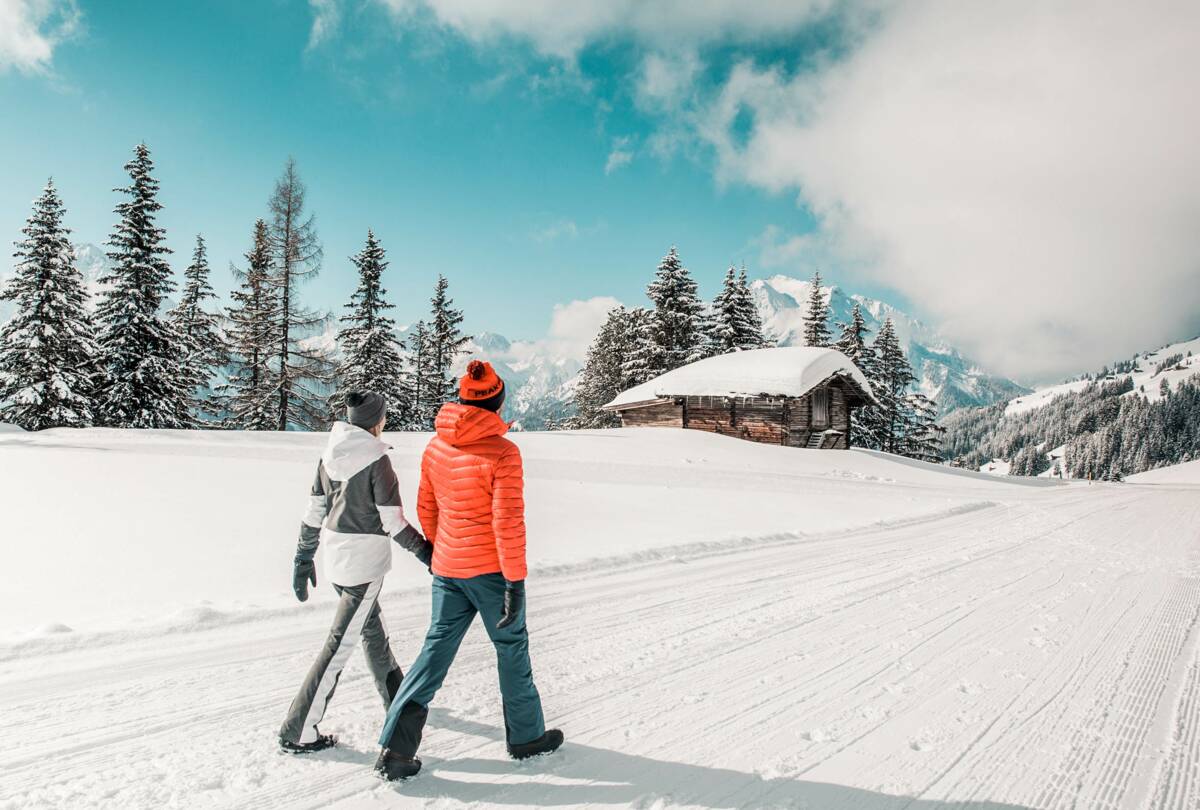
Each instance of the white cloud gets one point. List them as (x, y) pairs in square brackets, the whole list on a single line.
[(574, 325), (620, 156), (30, 30), (561, 29), (1025, 172), (327, 16)]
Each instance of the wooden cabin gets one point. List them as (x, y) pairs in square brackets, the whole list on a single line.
[(794, 396)]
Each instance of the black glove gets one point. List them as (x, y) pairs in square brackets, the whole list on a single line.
[(514, 598), (425, 554), (305, 571)]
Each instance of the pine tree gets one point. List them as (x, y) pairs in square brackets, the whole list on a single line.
[(416, 380), (678, 332), (371, 358), (145, 384), (250, 395), (47, 350), (736, 324), (892, 375), (199, 332), (1164, 387), (754, 336), (445, 343), (604, 374), (302, 370), (816, 316), (853, 343), (727, 326), (922, 435), (643, 358)]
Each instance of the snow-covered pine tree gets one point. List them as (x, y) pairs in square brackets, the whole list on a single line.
[(678, 329), (200, 333), (145, 384), (642, 359), (816, 315), (250, 398), (754, 335), (445, 344), (853, 343), (604, 375), (47, 350), (371, 358), (922, 434), (890, 381), (302, 370)]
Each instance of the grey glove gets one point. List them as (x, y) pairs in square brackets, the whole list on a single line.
[(304, 571)]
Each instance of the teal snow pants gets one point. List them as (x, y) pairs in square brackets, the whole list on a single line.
[(455, 603)]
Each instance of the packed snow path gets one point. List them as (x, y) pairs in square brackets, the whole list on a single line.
[(1040, 653)]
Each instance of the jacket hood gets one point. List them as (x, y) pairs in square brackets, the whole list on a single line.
[(459, 424), (350, 450)]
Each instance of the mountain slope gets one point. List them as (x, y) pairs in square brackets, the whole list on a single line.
[(944, 374)]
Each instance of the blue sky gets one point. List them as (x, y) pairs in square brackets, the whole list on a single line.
[(1023, 175), (488, 165)]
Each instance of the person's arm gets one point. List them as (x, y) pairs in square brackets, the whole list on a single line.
[(304, 570), (427, 508), (508, 514), (386, 490)]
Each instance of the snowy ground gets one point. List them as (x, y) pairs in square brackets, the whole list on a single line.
[(715, 624)]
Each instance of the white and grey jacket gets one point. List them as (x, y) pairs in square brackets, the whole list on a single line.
[(354, 509)]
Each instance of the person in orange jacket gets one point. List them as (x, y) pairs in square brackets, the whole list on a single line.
[(471, 505)]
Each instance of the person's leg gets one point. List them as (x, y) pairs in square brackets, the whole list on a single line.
[(523, 720), (309, 706), (452, 615), (378, 649)]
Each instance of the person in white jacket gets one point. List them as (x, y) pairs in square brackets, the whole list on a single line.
[(354, 510)]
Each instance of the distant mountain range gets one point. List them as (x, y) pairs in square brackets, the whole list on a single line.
[(943, 373), (542, 380)]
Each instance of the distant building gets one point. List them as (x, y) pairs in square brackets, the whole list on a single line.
[(796, 396)]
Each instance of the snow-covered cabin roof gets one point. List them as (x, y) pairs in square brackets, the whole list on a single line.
[(784, 372)]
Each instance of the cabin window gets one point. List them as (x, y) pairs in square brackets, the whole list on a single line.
[(820, 407)]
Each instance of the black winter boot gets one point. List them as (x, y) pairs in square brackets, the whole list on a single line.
[(550, 741), (322, 742), (392, 766)]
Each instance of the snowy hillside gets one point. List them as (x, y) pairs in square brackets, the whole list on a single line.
[(1147, 376), (714, 623), (944, 374), (1185, 473)]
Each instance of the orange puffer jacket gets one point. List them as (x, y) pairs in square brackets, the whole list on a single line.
[(471, 501)]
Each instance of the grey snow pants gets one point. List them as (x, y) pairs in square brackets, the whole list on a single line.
[(358, 615)]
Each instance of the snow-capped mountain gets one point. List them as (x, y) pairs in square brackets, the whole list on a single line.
[(944, 374), (541, 383)]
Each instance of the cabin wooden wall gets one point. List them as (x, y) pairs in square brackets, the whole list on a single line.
[(768, 421), (663, 415)]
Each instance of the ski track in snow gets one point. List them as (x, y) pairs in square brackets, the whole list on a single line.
[(1040, 653)]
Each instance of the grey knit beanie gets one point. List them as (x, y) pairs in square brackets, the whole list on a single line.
[(365, 409)]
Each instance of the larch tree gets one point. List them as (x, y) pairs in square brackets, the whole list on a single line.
[(371, 352), (250, 397), (145, 384), (816, 315), (302, 370), (47, 350), (199, 330)]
